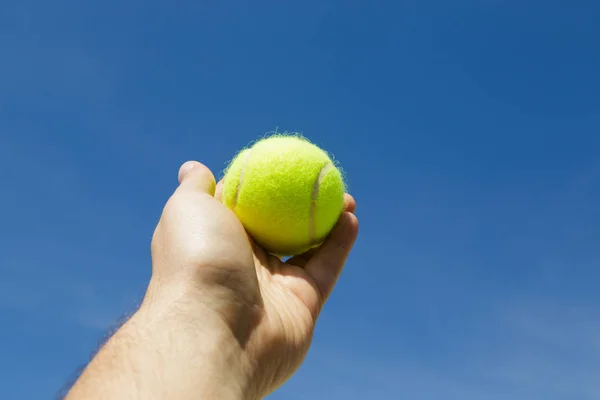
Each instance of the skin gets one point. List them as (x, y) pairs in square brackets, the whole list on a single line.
[(221, 319)]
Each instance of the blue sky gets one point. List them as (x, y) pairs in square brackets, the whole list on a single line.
[(468, 131)]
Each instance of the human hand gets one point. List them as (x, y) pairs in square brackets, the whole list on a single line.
[(227, 319), (269, 306)]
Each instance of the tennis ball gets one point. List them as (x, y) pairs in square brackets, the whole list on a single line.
[(286, 191)]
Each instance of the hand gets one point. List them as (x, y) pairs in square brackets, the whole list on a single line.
[(216, 294), (269, 306)]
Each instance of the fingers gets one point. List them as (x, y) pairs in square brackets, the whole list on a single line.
[(326, 265), (219, 190), (349, 203), (196, 177), (301, 260)]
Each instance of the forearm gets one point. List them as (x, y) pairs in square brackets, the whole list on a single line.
[(162, 353)]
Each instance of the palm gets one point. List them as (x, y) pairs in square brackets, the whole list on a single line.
[(288, 322), (293, 293), (287, 326)]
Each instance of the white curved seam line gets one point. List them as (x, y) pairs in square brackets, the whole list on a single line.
[(239, 185), (313, 203)]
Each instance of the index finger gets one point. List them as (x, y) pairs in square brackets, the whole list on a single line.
[(219, 190), (326, 265)]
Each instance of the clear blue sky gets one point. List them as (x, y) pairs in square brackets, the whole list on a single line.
[(469, 131)]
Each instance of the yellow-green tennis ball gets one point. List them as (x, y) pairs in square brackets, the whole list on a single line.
[(286, 191)]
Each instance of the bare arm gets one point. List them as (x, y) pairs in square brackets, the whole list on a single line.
[(166, 351), (221, 318)]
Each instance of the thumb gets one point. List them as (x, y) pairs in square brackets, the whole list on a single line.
[(196, 177)]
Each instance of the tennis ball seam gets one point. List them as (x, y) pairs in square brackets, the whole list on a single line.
[(239, 183), (285, 201), (312, 235)]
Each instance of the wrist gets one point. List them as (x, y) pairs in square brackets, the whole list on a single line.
[(171, 348), (200, 346)]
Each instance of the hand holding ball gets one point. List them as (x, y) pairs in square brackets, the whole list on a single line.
[(286, 191)]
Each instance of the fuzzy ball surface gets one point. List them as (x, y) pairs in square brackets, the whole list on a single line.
[(287, 192)]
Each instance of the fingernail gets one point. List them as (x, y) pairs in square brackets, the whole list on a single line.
[(186, 168)]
